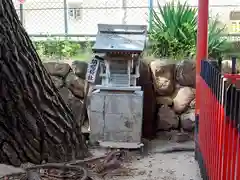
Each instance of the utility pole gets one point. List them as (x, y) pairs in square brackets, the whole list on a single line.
[(21, 11), (65, 17), (150, 14), (124, 10)]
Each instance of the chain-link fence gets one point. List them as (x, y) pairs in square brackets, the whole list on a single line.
[(80, 17)]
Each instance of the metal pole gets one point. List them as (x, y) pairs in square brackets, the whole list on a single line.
[(65, 17), (234, 62), (124, 9), (202, 53), (21, 13), (150, 16), (202, 44)]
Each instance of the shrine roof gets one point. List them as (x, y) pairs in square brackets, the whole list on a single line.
[(120, 38)]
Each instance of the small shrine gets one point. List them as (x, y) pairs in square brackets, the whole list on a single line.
[(116, 104), (121, 46)]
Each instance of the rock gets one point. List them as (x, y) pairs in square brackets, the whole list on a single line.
[(76, 106), (75, 84), (163, 76), (33, 175), (167, 119), (186, 73), (7, 170), (187, 120), (181, 137), (80, 68), (73, 103), (227, 66), (57, 69), (193, 104), (178, 86), (58, 81), (164, 100), (182, 98), (65, 94)]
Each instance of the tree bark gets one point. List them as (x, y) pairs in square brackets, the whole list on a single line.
[(35, 123)]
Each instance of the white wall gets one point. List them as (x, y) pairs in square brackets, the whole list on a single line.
[(95, 12), (44, 16), (220, 8), (47, 16), (38, 19)]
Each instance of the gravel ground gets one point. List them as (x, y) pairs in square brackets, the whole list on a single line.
[(152, 166), (178, 166), (157, 166)]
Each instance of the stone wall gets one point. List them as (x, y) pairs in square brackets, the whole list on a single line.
[(69, 78), (174, 84), (174, 90)]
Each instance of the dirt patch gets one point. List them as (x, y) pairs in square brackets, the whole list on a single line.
[(151, 165), (157, 166)]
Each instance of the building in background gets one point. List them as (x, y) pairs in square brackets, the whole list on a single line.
[(82, 16), (48, 16), (225, 10)]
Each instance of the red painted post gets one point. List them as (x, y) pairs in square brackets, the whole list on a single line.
[(202, 42), (21, 1), (202, 53)]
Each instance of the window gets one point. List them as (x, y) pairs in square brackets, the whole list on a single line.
[(75, 11), (234, 18), (234, 27)]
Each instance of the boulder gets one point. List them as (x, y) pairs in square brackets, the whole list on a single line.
[(186, 73), (164, 100), (58, 81), (65, 94), (181, 137), (182, 98), (163, 76), (193, 104), (57, 69), (187, 120), (75, 84), (80, 68), (178, 86), (76, 106), (7, 170), (226, 66), (167, 119)]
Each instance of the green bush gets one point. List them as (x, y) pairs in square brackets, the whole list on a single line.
[(57, 48), (217, 45), (174, 32)]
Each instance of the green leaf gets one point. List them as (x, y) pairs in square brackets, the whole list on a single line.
[(174, 31)]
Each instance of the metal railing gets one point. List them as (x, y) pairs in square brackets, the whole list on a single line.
[(218, 138)]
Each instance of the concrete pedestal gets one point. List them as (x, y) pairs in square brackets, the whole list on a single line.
[(116, 117)]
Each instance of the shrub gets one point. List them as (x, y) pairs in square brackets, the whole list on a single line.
[(174, 32), (57, 48), (217, 45)]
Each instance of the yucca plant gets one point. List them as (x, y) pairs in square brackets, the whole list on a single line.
[(174, 32), (173, 29), (216, 44)]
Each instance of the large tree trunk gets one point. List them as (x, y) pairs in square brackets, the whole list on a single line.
[(35, 123)]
